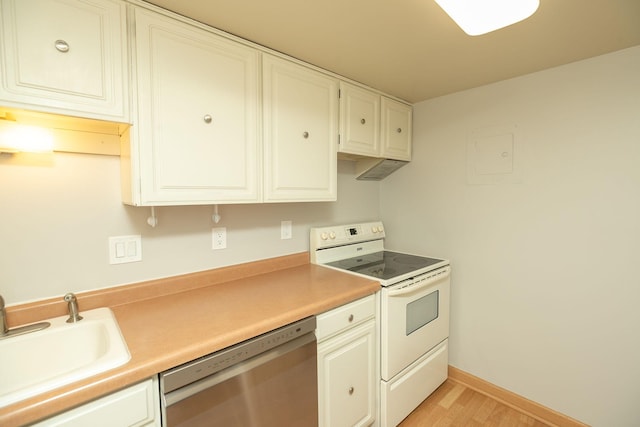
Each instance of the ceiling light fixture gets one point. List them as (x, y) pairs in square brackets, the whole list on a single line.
[(477, 17)]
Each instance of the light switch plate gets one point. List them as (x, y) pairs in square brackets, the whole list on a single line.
[(123, 249)]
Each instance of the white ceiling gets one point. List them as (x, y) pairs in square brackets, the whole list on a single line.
[(410, 48)]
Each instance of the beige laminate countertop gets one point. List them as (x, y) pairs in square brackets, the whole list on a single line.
[(209, 311)]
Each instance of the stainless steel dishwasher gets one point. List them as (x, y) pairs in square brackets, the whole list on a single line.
[(269, 380)]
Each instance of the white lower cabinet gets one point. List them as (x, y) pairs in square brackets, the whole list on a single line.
[(135, 406), (347, 367)]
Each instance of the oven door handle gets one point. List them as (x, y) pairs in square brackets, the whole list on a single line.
[(422, 284)]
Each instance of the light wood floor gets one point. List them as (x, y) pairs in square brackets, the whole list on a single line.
[(454, 404)]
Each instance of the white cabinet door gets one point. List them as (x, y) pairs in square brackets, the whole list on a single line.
[(65, 56), (359, 121), (373, 125), (346, 378), (196, 137), (396, 129), (300, 132), (135, 406)]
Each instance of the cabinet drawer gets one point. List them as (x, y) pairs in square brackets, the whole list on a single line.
[(345, 317), (135, 406)]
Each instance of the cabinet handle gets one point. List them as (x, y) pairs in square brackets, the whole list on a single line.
[(351, 318), (363, 121), (62, 46), (399, 130), (351, 390), (207, 119), (305, 135)]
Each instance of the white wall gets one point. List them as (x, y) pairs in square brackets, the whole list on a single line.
[(57, 211), (545, 282)]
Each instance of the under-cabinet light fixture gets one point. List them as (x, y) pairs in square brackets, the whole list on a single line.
[(477, 17), (16, 137)]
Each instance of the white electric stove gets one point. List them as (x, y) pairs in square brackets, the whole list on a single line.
[(414, 311)]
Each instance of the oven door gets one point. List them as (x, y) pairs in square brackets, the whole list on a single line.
[(415, 318)]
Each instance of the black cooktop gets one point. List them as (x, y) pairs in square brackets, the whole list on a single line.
[(384, 265)]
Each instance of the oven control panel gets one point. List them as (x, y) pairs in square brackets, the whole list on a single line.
[(339, 235)]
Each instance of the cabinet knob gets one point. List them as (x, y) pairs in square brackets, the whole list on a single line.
[(351, 318), (62, 46), (351, 390), (207, 118), (305, 135), (399, 130), (363, 121)]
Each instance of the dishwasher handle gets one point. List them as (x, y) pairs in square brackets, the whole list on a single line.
[(189, 390)]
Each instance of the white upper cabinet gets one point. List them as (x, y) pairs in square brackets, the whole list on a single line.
[(300, 132), (65, 56), (195, 138), (395, 129), (359, 121), (198, 137), (373, 125)]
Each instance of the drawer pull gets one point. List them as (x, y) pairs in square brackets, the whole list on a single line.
[(350, 318), (305, 135), (207, 118), (351, 390), (363, 121)]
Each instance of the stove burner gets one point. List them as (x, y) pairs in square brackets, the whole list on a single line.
[(384, 265)]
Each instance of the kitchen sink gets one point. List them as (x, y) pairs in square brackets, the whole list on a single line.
[(40, 361)]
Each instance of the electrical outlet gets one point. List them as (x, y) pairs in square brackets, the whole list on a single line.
[(285, 230), (219, 235)]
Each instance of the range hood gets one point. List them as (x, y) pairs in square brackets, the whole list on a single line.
[(377, 169)]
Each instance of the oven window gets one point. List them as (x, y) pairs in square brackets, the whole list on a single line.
[(422, 311)]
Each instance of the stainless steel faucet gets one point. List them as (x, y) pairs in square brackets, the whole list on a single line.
[(72, 302), (5, 332), (3, 318)]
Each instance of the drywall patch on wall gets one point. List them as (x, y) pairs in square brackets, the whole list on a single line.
[(494, 155)]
